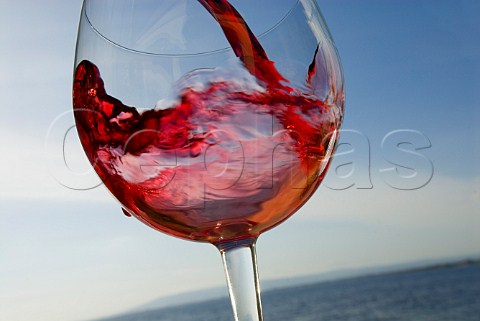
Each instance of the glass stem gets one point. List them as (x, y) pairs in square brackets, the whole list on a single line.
[(240, 264)]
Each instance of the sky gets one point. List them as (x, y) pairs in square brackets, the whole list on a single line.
[(412, 73)]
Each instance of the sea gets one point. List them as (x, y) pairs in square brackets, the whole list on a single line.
[(442, 293)]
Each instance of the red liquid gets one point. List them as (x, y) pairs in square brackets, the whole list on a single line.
[(228, 161)]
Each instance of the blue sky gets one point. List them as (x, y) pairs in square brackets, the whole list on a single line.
[(71, 255)]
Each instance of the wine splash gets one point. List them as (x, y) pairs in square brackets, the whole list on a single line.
[(227, 161)]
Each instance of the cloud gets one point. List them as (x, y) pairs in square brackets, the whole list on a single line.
[(31, 169), (445, 201)]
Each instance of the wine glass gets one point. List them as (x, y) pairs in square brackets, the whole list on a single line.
[(209, 120)]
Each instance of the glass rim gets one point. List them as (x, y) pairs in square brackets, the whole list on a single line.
[(179, 55)]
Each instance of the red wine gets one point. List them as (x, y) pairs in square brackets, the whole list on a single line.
[(244, 43), (227, 161)]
